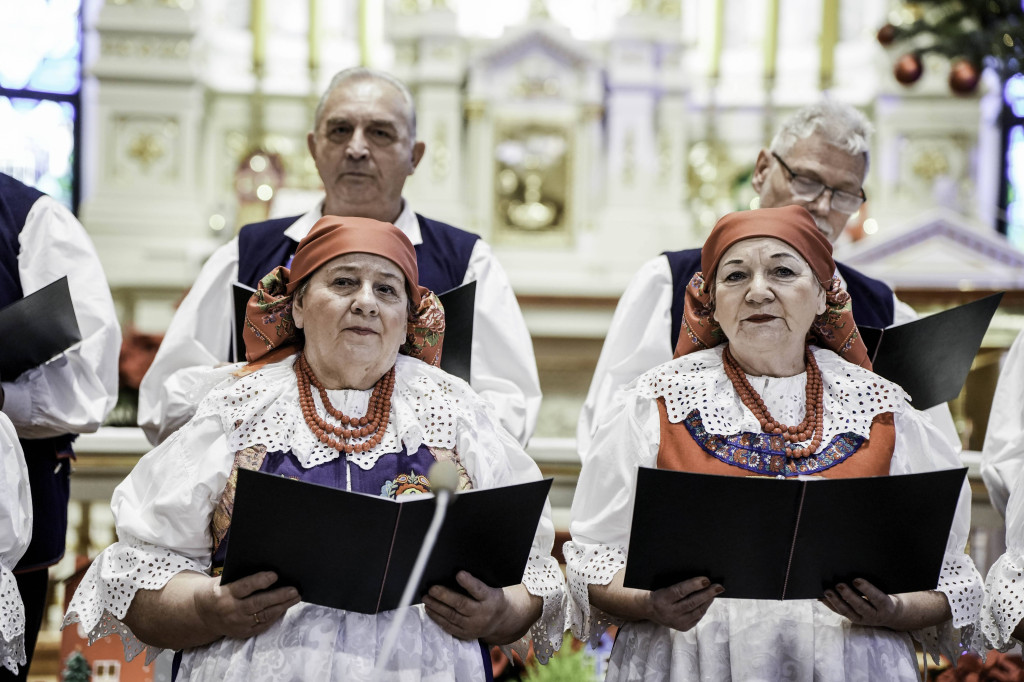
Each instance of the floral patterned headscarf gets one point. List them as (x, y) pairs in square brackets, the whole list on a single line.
[(270, 333), (834, 329)]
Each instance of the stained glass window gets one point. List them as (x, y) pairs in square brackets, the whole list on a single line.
[(40, 94), (1013, 162)]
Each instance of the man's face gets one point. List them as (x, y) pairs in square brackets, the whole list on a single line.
[(364, 150), (816, 159)]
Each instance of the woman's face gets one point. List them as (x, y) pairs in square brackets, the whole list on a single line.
[(766, 296), (353, 313)]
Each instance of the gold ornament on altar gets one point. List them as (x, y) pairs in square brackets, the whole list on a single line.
[(531, 181)]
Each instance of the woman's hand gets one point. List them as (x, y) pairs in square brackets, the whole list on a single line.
[(194, 609), (681, 606), (865, 604), (243, 609), (495, 615)]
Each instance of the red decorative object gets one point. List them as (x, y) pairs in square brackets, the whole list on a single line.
[(908, 69), (886, 35), (963, 77), (812, 425), (378, 411)]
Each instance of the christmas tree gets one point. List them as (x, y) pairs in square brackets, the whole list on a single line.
[(76, 669), (972, 34)]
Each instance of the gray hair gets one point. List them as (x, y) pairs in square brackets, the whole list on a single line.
[(362, 73), (841, 125)]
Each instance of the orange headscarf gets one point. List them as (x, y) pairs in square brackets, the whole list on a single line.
[(269, 328), (834, 329)]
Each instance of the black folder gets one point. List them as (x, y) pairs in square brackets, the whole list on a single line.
[(456, 355), (930, 357), (355, 552), (37, 328), (765, 538)]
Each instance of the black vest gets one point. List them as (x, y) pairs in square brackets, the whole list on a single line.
[(872, 300), (48, 477), (442, 257)]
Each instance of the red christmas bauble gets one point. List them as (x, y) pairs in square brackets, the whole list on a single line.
[(963, 77), (908, 69), (886, 35)]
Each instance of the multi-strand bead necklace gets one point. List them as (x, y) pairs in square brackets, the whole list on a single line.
[(812, 425), (337, 436)]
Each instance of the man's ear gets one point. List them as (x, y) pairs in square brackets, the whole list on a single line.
[(311, 144), (761, 168), (417, 154)]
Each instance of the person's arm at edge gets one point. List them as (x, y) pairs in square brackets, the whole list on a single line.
[(197, 338), (637, 340), (503, 368)]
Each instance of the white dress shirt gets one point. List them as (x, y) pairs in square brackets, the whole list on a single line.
[(503, 368), (1002, 467), (638, 339), (74, 392), (15, 533)]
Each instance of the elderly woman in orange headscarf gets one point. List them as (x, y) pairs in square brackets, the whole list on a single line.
[(766, 368), (340, 390)]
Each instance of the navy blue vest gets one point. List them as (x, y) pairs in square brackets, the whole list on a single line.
[(872, 300), (442, 257), (48, 477)]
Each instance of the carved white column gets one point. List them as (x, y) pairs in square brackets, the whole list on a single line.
[(144, 131)]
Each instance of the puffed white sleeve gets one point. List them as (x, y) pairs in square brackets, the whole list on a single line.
[(15, 533), (1002, 467), (74, 392), (602, 508), (921, 447), (1002, 453), (198, 337), (503, 369), (494, 458), (162, 513), (637, 340)]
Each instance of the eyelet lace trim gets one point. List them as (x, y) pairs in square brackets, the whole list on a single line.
[(543, 578), (587, 565), (110, 584), (852, 398), (263, 409), (12, 623), (1004, 604)]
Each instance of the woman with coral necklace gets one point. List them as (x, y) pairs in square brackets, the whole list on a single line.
[(340, 390), (767, 366)]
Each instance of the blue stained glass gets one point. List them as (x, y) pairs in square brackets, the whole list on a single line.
[(38, 144), (40, 45), (1015, 186)]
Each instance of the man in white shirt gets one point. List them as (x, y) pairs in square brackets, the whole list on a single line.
[(818, 160), (49, 405), (364, 145)]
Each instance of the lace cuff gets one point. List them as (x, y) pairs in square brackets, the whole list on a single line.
[(1004, 605), (12, 623), (543, 578), (107, 590), (964, 590), (588, 565)]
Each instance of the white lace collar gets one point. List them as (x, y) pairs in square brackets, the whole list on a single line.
[(263, 409), (853, 396)]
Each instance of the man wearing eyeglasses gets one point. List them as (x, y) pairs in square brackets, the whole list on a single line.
[(817, 160)]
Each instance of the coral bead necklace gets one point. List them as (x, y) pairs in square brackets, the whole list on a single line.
[(373, 424), (812, 425)]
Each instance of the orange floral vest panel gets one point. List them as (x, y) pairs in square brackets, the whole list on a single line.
[(686, 446)]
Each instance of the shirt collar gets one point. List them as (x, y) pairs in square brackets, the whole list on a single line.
[(406, 222)]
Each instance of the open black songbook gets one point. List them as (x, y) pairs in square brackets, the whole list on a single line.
[(459, 304), (355, 552), (37, 328), (930, 357), (765, 538)]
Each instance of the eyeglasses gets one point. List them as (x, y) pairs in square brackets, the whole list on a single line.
[(807, 189)]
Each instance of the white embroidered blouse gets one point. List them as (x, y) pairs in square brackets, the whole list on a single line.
[(163, 512)]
